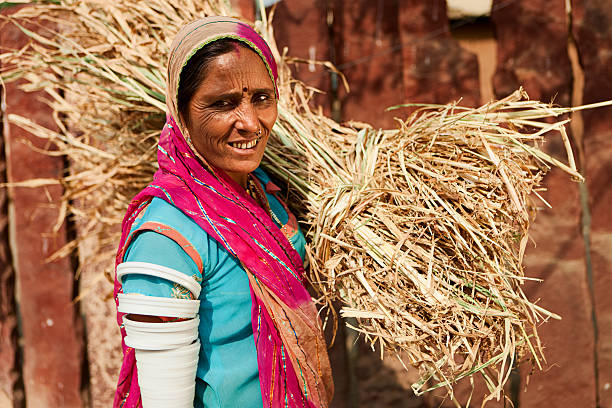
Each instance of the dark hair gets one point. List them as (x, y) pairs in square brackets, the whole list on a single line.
[(194, 71)]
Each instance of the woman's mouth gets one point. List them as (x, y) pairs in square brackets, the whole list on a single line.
[(245, 145)]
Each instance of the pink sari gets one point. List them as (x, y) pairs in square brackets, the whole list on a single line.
[(291, 353)]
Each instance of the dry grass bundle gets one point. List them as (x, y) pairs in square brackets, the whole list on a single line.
[(419, 230)]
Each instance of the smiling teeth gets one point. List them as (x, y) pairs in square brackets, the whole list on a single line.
[(245, 145)]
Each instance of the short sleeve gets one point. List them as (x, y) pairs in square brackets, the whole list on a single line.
[(155, 248)]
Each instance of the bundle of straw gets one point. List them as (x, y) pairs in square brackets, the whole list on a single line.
[(419, 231)]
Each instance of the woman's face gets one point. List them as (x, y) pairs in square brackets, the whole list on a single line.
[(232, 112)]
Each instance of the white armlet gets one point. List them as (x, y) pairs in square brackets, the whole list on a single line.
[(167, 353), (160, 336), (167, 356), (167, 377), (135, 303), (146, 268)]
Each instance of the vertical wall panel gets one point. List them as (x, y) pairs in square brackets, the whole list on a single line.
[(52, 348), (9, 369), (593, 33), (302, 28), (367, 48), (532, 48), (557, 256), (435, 68)]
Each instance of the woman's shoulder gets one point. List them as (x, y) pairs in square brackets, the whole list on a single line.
[(165, 219), (159, 210), (160, 215)]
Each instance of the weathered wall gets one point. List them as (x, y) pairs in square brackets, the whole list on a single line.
[(538, 60), (592, 26), (532, 40), (302, 28), (435, 69), (50, 329), (366, 37), (11, 390)]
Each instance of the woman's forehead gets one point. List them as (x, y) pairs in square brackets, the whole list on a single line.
[(240, 68)]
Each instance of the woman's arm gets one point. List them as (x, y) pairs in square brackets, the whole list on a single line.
[(160, 360)]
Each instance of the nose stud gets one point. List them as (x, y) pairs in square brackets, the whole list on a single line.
[(258, 132)]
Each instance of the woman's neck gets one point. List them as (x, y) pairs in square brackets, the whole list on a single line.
[(240, 178)]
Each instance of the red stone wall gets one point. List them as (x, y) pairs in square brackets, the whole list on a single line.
[(435, 69), (532, 40), (50, 329), (9, 352), (301, 28), (592, 25), (533, 53), (366, 40)]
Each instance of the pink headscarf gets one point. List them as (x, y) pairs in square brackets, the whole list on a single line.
[(291, 353)]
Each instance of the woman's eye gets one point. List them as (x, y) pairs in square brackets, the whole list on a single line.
[(262, 98), (221, 104)]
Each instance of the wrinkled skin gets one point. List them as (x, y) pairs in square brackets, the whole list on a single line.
[(235, 101)]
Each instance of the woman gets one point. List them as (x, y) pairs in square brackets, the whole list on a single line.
[(213, 215)]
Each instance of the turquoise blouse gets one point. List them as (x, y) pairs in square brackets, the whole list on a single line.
[(227, 374)]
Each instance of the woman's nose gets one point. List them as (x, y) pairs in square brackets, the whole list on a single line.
[(247, 120)]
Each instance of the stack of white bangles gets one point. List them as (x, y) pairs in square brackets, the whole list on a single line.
[(167, 352)]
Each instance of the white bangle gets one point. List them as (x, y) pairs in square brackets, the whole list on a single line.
[(167, 378), (135, 303), (160, 335), (146, 268)]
